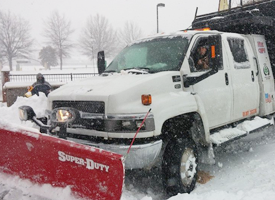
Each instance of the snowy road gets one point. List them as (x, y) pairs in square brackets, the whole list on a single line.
[(244, 170)]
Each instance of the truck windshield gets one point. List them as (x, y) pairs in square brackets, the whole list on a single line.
[(161, 54)]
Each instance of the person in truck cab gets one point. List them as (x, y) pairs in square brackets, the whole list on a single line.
[(40, 86), (202, 63)]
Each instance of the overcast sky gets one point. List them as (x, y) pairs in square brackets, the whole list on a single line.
[(176, 15)]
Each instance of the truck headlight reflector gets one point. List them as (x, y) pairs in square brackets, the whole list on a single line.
[(63, 115), (132, 125), (128, 125), (138, 123)]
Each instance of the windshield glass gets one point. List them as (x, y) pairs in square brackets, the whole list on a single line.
[(161, 54)]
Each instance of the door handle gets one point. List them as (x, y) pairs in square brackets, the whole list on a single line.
[(257, 65), (226, 79), (252, 76)]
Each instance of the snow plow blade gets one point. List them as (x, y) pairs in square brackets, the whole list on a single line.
[(91, 173)]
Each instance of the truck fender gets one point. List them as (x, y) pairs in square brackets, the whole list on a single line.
[(202, 115), (204, 145), (191, 118)]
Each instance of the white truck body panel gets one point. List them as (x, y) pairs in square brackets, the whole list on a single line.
[(212, 92), (244, 82), (266, 79)]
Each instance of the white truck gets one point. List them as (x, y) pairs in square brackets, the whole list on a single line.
[(189, 107), (159, 73)]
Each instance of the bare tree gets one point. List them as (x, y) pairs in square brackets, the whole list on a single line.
[(129, 33), (58, 31), (15, 39), (98, 35)]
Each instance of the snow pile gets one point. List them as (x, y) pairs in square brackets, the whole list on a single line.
[(253, 124), (225, 135), (9, 117), (14, 188)]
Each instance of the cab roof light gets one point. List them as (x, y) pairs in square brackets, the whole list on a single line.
[(203, 29), (146, 99)]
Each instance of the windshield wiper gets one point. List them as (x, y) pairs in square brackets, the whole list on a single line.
[(142, 69), (109, 71)]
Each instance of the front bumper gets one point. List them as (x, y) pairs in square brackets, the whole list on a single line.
[(140, 156)]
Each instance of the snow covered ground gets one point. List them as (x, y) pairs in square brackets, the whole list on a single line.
[(244, 170)]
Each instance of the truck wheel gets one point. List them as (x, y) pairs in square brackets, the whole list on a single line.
[(179, 166)]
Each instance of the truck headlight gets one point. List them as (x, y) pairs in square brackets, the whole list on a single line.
[(132, 125), (63, 115), (129, 122), (26, 113), (138, 123)]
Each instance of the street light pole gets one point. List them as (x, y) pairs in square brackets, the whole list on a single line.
[(159, 5)]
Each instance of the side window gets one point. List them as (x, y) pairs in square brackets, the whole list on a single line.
[(239, 54), (199, 60)]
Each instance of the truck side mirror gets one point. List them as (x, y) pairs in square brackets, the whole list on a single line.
[(101, 65), (215, 55)]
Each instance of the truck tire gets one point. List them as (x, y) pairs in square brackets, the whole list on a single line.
[(179, 166)]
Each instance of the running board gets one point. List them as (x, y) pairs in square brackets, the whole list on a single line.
[(243, 129)]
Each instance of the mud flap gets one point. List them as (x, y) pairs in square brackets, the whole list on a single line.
[(91, 173)]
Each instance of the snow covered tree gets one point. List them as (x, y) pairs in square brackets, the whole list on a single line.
[(98, 35), (15, 38), (58, 31), (129, 33), (48, 57)]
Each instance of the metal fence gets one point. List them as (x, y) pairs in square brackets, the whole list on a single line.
[(50, 77)]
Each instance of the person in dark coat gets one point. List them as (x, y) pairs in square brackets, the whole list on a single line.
[(41, 85), (203, 62)]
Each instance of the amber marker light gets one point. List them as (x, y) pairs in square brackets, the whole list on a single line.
[(203, 29), (206, 29), (213, 52), (146, 99)]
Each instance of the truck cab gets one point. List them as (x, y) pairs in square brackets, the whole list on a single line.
[(239, 88)]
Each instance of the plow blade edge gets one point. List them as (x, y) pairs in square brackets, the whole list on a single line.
[(91, 173)]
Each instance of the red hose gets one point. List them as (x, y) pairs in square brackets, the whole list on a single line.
[(138, 131)]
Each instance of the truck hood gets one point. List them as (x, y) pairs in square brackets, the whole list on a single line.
[(104, 86), (119, 91)]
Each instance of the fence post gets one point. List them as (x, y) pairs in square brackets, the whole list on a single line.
[(5, 77), (71, 76)]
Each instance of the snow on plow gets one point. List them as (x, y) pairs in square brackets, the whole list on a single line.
[(91, 173)]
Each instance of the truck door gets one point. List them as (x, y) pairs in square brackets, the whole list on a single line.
[(265, 78), (214, 91), (243, 77)]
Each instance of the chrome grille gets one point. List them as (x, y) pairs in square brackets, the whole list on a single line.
[(84, 106)]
